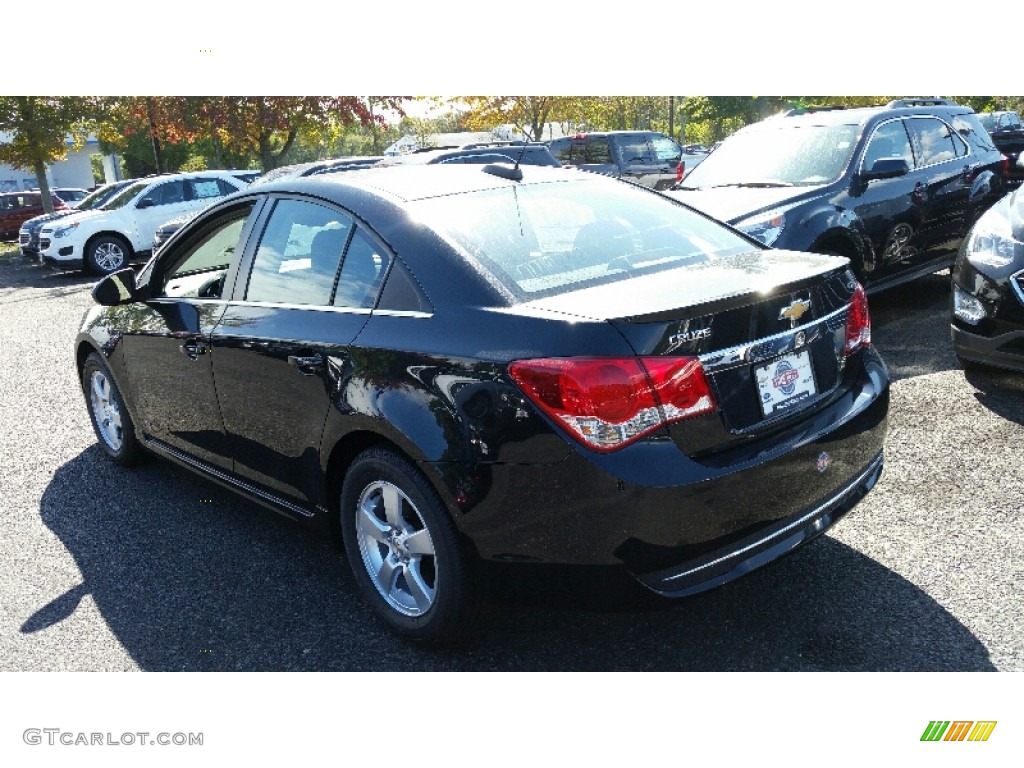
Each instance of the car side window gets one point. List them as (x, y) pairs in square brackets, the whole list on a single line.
[(634, 149), (203, 189), (933, 141), (889, 142), (299, 253), (197, 269), (561, 149), (597, 151), (168, 193), (665, 149), (361, 273)]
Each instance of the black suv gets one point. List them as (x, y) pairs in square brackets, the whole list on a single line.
[(645, 157), (893, 188)]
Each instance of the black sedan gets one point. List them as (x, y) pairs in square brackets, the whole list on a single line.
[(988, 288), (461, 369)]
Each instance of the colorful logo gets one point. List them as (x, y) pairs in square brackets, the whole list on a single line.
[(823, 461), (958, 730), (785, 378)]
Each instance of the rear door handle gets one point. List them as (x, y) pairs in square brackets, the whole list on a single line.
[(193, 348), (308, 366)]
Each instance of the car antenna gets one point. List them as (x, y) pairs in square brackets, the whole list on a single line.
[(515, 173)]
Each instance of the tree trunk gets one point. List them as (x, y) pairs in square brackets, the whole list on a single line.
[(157, 155), (44, 186)]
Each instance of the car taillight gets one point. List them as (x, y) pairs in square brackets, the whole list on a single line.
[(858, 322), (680, 170), (607, 403), (1004, 164)]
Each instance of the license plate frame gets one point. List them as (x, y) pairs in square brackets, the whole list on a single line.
[(785, 382)]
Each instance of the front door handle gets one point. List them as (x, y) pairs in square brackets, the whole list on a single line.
[(308, 366)]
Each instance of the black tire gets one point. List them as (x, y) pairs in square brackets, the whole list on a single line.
[(107, 254), (405, 552), (110, 419)]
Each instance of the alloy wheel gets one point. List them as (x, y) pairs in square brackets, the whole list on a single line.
[(105, 411), (396, 548)]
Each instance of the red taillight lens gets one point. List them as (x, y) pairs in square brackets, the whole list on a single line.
[(1005, 166), (607, 403), (858, 322), (680, 170)]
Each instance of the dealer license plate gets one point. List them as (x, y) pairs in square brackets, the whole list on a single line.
[(784, 383)]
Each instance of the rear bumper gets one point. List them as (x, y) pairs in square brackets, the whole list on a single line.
[(680, 526), (1003, 351), (744, 556)]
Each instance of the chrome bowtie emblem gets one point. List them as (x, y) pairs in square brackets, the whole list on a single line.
[(794, 311)]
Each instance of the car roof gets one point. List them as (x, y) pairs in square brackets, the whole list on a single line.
[(416, 182), (860, 115)]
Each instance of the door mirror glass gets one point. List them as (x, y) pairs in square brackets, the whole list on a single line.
[(116, 288)]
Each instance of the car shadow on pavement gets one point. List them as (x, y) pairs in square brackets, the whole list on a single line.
[(18, 272), (999, 391), (904, 330), (188, 576)]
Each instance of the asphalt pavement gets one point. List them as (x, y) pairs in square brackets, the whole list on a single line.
[(155, 569)]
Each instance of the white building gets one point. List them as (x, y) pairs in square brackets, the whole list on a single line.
[(73, 171)]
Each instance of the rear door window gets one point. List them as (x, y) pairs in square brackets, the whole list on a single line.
[(634, 149), (933, 141), (299, 254)]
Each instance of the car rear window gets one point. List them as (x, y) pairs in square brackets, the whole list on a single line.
[(542, 239)]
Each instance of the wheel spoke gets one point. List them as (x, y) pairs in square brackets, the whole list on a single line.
[(387, 574), (98, 388), (370, 525), (392, 506), (420, 544), (421, 592)]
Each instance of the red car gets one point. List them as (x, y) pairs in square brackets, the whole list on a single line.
[(18, 207)]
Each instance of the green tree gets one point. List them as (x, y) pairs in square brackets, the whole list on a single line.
[(40, 128)]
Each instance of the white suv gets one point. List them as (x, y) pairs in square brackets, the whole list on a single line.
[(106, 239)]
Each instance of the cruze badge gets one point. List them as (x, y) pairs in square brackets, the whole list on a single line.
[(685, 336), (794, 311)]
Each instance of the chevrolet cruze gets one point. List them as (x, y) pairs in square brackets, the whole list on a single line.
[(455, 367)]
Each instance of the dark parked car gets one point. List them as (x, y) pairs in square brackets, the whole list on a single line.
[(988, 288), (18, 207), (1007, 134), (317, 167), (524, 153), (893, 188), (455, 368), (644, 157), (28, 234)]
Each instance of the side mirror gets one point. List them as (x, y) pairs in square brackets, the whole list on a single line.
[(117, 288), (887, 168), (146, 202)]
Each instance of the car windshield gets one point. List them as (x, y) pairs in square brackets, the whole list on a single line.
[(542, 239), (97, 198), (125, 196), (778, 153)]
